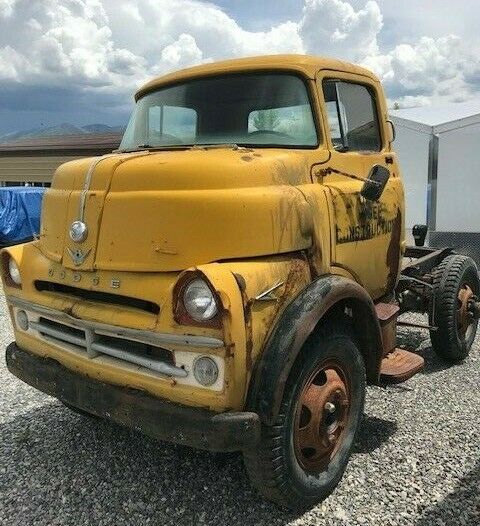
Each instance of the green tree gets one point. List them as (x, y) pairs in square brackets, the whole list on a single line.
[(266, 120)]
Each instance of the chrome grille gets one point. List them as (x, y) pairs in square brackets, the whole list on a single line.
[(96, 343), (168, 354), (148, 349)]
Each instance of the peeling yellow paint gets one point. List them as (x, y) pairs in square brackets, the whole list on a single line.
[(247, 219)]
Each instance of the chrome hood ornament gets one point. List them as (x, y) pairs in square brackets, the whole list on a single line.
[(78, 255), (78, 231)]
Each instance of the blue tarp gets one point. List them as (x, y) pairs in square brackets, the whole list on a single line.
[(20, 208)]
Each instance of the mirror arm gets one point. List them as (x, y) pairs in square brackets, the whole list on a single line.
[(327, 171)]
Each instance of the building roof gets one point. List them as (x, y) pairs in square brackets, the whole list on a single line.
[(307, 65), (440, 117), (80, 144)]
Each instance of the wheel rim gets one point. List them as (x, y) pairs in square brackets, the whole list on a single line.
[(321, 417), (465, 320)]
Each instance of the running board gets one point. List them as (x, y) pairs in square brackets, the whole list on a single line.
[(400, 365)]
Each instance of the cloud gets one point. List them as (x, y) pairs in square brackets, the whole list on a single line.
[(432, 68), (333, 27), (107, 48), (413, 74), (119, 44)]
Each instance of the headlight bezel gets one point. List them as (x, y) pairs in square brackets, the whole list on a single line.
[(7, 260), (182, 315)]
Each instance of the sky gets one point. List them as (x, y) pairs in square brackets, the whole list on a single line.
[(80, 61)]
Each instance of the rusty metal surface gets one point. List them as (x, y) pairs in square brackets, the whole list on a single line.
[(386, 311), (424, 263), (323, 172), (400, 365), (295, 325), (387, 316), (415, 285), (464, 314), (475, 309), (417, 325), (321, 417), (394, 256), (412, 251), (161, 419)]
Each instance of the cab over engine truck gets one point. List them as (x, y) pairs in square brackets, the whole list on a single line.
[(231, 277)]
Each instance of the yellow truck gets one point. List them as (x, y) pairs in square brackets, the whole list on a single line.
[(231, 277)]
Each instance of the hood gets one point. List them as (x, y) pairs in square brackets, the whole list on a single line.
[(171, 210)]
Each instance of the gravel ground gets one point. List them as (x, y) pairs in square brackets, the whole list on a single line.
[(417, 461)]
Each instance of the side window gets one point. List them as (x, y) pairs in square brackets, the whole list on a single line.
[(352, 116)]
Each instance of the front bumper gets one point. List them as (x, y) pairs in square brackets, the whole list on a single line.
[(230, 431)]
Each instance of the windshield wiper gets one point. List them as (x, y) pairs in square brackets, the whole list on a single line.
[(139, 148), (213, 146), (149, 147)]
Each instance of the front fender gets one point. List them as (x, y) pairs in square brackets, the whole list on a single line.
[(295, 325)]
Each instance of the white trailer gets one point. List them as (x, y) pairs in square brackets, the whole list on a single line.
[(439, 153)]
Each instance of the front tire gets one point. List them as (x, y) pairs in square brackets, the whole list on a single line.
[(455, 283), (302, 457)]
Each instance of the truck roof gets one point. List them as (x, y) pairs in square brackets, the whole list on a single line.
[(307, 65)]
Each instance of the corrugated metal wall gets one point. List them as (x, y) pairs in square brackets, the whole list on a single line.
[(34, 159), (33, 169)]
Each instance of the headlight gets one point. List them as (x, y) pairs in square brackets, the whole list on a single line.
[(199, 300), (14, 272), (205, 370), (22, 320)]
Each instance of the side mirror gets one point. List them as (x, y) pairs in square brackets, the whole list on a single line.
[(374, 186)]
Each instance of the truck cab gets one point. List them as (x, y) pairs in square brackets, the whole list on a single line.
[(227, 279)]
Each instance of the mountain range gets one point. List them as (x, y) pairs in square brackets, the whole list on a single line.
[(60, 129)]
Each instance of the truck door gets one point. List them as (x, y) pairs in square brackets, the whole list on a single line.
[(366, 236)]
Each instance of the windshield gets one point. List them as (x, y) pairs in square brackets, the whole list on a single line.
[(247, 110)]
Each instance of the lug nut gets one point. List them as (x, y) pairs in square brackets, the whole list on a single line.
[(329, 407)]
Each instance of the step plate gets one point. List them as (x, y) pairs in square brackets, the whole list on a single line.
[(400, 365), (387, 314)]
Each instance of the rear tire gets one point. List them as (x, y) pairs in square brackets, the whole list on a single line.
[(301, 458), (455, 281)]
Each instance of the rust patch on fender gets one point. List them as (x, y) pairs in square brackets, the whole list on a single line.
[(393, 252), (299, 273), (248, 319)]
